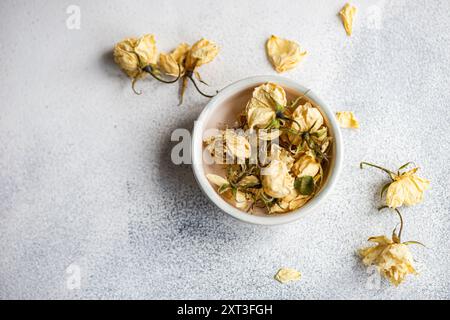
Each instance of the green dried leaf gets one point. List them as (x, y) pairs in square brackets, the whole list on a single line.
[(304, 185), (404, 166), (223, 188), (414, 242), (234, 192)]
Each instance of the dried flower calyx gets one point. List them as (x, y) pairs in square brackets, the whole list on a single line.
[(138, 57), (391, 257), (406, 188), (279, 158)]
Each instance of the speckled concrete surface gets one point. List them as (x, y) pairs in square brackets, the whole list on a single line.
[(85, 174)]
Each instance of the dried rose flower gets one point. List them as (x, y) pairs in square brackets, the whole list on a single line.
[(391, 257), (276, 180), (138, 57), (406, 188), (188, 59), (133, 54), (266, 100)]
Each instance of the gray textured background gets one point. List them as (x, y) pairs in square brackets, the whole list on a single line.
[(85, 171)]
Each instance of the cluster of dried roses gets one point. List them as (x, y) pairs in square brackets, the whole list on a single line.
[(139, 58), (392, 256), (294, 172)]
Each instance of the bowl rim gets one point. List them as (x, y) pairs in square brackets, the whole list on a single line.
[(197, 152)]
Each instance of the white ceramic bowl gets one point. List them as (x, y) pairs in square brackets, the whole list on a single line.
[(212, 110)]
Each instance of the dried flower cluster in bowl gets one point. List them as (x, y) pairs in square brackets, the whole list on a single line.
[(276, 157)]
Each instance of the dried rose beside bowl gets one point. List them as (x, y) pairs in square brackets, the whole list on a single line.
[(222, 112)]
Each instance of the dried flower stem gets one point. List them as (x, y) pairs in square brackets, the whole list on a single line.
[(189, 75), (149, 70), (401, 220), (389, 172)]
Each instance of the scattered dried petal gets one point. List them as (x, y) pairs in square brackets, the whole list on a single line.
[(284, 54), (285, 275), (346, 119), (347, 15)]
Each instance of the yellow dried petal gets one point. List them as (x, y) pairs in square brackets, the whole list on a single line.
[(133, 54), (284, 54), (407, 189), (298, 202), (146, 50), (347, 15), (269, 135), (240, 201), (173, 63), (285, 275), (346, 119), (306, 165), (237, 145), (217, 180), (202, 52)]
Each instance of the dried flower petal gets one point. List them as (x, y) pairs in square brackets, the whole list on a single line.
[(228, 142), (285, 275), (347, 14), (393, 260), (284, 54), (306, 165), (269, 135), (237, 145), (217, 180), (407, 189), (346, 119)]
